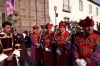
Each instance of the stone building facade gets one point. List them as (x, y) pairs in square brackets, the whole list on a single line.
[(2, 10), (30, 12)]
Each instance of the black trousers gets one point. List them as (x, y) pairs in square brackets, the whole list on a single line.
[(22, 63)]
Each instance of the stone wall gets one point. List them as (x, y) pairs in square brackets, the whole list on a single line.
[(30, 12), (2, 10)]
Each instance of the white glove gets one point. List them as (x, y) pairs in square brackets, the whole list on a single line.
[(78, 62), (38, 45), (2, 57), (17, 53), (47, 49), (83, 62), (58, 52)]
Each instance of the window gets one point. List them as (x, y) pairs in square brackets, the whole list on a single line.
[(66, 6), (96, 11), (66, 19), (90, 9), (91, 17), (80, 5)]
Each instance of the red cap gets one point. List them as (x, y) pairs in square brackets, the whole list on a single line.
[(86, 22), (63, 24), (35, 27), (49, 25)]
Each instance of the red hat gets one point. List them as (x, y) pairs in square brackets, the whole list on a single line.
[(86, 22), (48, 25), (35, 27), (63, 24)]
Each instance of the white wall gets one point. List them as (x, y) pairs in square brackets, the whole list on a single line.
[(75, 14)]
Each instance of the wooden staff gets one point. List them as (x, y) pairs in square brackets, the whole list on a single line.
[(54, 34)]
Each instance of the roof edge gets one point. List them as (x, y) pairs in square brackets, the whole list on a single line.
[(94, 2)]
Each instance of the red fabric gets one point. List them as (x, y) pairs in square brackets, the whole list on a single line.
[(86, 22), (62, 59), (48, 38), (49, 25), (35, 27), (62, 23), (85, 46), (92, 64), (48, 56), (38, 51), (61, 38)]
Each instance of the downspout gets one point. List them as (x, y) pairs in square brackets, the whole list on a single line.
[(44, 14), (36, 10)]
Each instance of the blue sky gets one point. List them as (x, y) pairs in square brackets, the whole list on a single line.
[(98, 1)]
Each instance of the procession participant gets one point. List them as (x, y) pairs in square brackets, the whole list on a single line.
[(48, 52), (86, 49), (9, 50), (36, 49), (23, 52), (63, 45)]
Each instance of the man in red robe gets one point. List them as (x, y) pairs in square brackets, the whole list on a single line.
[(86, 49), (36, 49), (9, 49), (48, 52), (63, 45)]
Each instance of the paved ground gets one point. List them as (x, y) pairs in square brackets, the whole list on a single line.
[(28, 63)]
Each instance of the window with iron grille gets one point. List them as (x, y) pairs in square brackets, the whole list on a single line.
[(90, 9), (66, 6), (96, 11), (80, 5)]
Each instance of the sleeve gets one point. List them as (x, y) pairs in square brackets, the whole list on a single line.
[(2, 55), (95, 57), (75, 51), (32, 41)]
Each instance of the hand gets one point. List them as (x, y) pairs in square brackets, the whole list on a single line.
[(38, 45), (83, 62), (47, 49), (3, 57), (80, 62), (17, 53), (9, 58), (58, 52)]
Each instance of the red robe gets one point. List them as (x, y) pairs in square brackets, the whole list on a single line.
[(62, 60), (37, 51), (48, 56), (86, 46)]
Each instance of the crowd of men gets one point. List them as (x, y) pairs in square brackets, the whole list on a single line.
[(51, 48)]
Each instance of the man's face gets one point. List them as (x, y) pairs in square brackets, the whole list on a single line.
[(7, 28), (88, 29), (62, 29), (15, 32), (49, 29), (35, 30)]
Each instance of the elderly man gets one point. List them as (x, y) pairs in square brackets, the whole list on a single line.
[(63, 45), (48, 52), (36, 49), (86, 49)]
